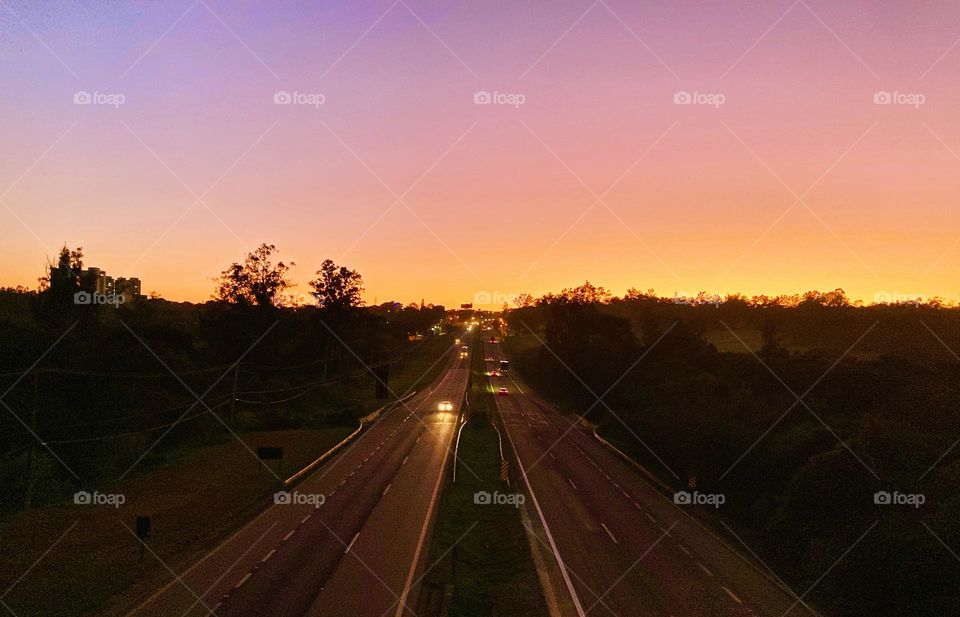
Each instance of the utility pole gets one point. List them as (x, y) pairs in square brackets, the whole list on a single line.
[(233, 398), (28, 497)]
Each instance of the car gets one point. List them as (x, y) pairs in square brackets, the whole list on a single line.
[(488, 359), (494, 374), (444, 406), (502, 392)]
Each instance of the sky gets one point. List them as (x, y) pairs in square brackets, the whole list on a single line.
[(471, 151)]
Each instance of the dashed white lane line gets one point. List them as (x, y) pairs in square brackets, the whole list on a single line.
[(242, 580), (609, 534), (683, 548), (388, 488), (625, 493), (637, 506), (269, 555), (552, 455), (653, 520), (332, 493), (404, 460), (704, 568), (349, 546), (287, 537), (418, 439), (305, 519), (572, 484), (732, 595)]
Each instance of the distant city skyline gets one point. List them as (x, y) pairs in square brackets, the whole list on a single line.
[(446, 150)]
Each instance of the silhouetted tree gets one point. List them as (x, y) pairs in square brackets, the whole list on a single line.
[(257, 281), (337, 287)]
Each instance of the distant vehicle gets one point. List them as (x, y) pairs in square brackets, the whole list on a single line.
[(494, 374), (493, 339), (456, 342), (488, 359), (464, 349), (504, 366), (444, 406), (502, 392)]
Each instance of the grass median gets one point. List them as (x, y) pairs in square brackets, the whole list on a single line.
[(480, 559)]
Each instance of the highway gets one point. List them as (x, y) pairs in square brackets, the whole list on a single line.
[(627, 549), (361, 552)]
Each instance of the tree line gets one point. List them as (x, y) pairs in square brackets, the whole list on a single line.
[(800, 432)]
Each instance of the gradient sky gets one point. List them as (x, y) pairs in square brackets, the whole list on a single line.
[(797, 181)]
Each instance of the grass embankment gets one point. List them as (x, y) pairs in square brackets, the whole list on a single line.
[(195, 497), (480, 556)]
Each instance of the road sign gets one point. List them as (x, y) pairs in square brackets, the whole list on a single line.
[(270, 453)]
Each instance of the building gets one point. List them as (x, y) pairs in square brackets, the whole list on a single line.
[(95, 280), (129, 287)]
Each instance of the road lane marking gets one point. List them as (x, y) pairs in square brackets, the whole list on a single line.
[(651, 518), (684, 549), (609, 534), (242, 580), (304, 519), (388, 488), (625, 493), (732, 595), (404, 460), (552, 455), (704, 568), (418, 439), (402, 600), (286, 537), (349, 546), (572, 484), (543, 520), (269, 555)]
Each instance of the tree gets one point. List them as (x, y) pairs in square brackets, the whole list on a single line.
[(337, 287), (257, 281), (64, 277)]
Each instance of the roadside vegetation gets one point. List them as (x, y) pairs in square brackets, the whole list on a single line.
[(879, 385), (147, 400), (480, 557)]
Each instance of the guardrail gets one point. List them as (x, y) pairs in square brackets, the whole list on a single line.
[(649, 475), (668, 494), (364, 420)]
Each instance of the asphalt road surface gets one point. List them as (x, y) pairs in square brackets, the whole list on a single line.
[(360, 553), (626, 548)]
